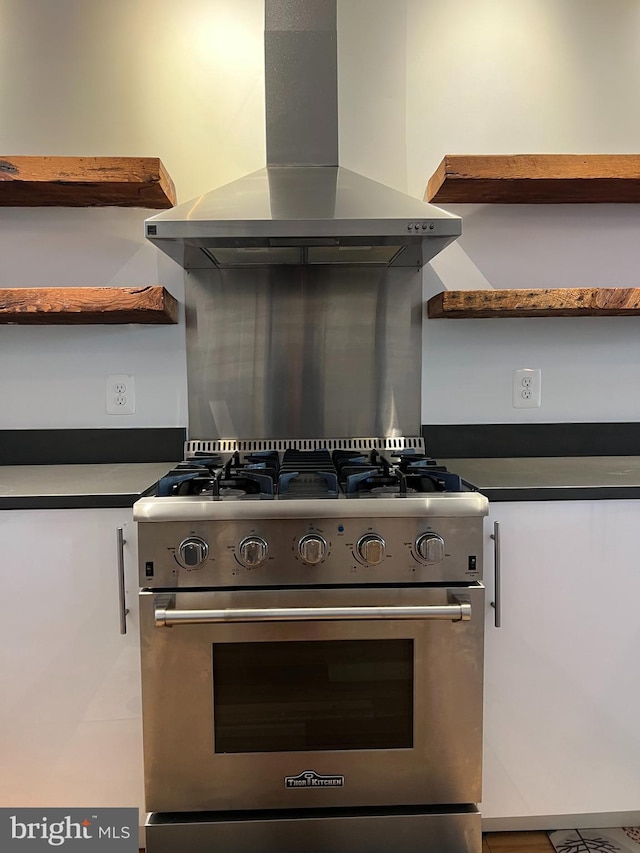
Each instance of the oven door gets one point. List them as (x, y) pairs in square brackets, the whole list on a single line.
[(300, 698)]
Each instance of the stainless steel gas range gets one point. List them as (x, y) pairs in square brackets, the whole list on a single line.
[(312, 608), (312, 645)]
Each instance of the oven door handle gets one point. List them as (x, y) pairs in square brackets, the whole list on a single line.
[(166, 616)]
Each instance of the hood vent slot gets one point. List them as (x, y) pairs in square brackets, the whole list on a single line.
[(321, 253)]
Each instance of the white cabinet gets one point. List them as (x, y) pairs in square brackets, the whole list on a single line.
[(562, 674), (70, 710)]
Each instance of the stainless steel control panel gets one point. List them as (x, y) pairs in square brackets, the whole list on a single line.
[(301, 552)]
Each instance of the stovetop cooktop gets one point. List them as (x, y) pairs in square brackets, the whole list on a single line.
[(309, 474)]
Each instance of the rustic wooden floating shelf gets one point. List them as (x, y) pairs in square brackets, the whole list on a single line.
[(46, 306), (536, 179), (85, 182), (552, 302)]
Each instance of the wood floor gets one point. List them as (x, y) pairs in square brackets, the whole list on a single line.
[(516, 842)]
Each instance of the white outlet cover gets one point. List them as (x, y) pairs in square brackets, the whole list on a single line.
[(120, 391), (527, 388)]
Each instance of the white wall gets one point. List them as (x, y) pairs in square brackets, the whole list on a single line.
[(590, 367), (418, 79), (508, 76), (182, 81), (54, 376)]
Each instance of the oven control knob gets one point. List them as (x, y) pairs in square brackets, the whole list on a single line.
[(312, 549), (430, 547), (252, 552), (192, 552), (372, 549)]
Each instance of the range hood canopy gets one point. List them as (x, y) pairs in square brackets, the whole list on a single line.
[(303, 215), (303, 208)]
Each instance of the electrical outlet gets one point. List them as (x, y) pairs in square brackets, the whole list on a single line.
[(121, 394), (527, 388)]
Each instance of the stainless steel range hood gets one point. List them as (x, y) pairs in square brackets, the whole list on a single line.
[(303, 208), (303, 215)]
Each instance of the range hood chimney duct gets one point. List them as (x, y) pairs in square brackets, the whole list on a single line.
[(301, 82)]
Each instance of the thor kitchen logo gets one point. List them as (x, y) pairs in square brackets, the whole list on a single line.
[(311, 779), (42, 829)]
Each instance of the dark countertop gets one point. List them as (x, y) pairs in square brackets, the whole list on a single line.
[(77, 486), (507, 479), (552, 478)]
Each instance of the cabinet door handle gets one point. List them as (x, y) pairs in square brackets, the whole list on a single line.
[(497, 597), (122, 604)]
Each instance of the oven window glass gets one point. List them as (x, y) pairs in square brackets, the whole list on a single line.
[(318, 695)]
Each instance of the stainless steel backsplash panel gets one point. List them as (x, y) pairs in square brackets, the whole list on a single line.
[(303, 352)]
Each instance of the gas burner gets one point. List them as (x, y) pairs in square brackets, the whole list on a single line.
[(306, 484), (386, 491), (244, 481), (231, 493), (181, 482), (434, 479), (255, 474), (366, 481), (307, 474)]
